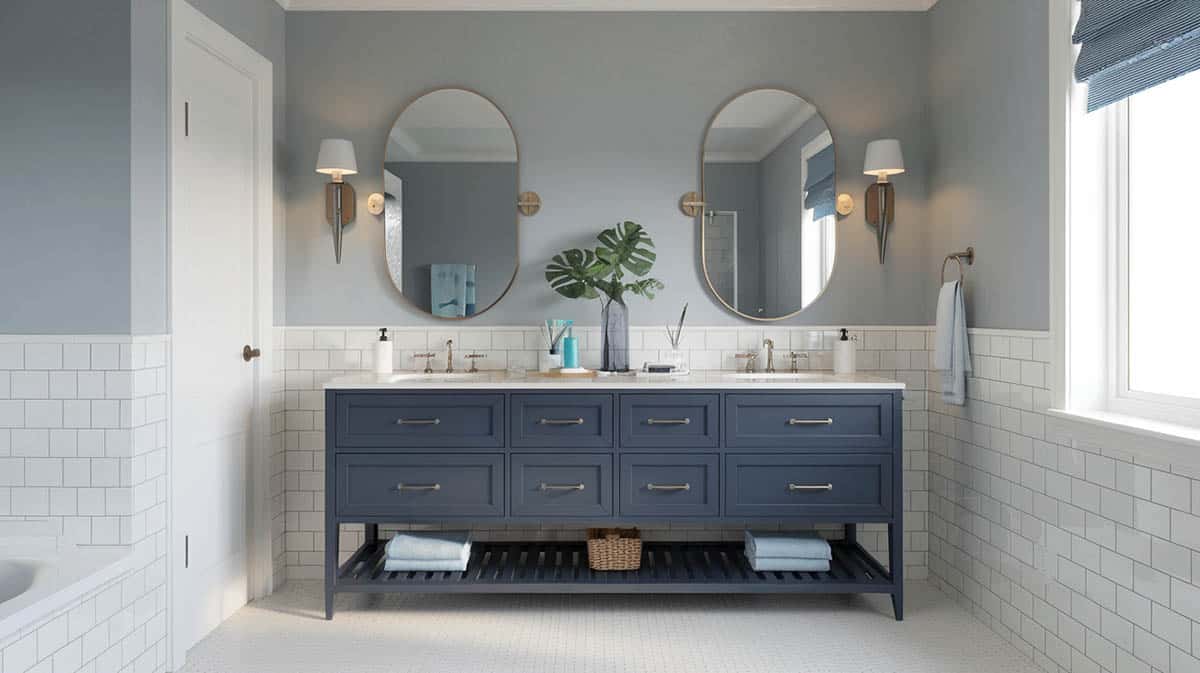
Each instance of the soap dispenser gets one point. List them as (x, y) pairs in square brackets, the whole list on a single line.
[(843, 354), (383, 353)]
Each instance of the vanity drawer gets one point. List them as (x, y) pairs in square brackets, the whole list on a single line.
[(670, 421), (420, 484), (811, 486), (422, 420), (809, 420), (556, 420), (561, 485), (671, 484)]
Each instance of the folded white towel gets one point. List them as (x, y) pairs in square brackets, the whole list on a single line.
[(951, 354), (430, 546), (769, 564), (805, 545), (449, 565)]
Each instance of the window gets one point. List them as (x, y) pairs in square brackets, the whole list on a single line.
[(1133, 279), (1160, 278)]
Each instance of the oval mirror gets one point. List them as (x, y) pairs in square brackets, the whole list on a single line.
[(767, 231), (450, 194)]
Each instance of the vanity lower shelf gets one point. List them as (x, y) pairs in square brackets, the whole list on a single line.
[(562, 567)]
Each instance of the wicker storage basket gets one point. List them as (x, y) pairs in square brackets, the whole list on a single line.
[(614, 549)]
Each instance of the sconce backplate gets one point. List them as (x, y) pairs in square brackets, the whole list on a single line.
[(347, 201), (845, 204), (375, 204), (529, 203), (691, 204)]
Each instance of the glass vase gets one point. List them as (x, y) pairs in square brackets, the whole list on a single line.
[(614, 334)]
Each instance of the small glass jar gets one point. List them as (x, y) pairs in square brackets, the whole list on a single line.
[(676, 358)]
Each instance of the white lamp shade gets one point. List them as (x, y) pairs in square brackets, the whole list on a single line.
[(336, 157), (884, 158)]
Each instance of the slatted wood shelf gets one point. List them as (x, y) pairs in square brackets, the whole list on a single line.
[(561, 567)]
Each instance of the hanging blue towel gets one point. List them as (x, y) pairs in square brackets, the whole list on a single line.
[(448, 289), (802, 545), (951, 353), (431, 546), (469, 308)]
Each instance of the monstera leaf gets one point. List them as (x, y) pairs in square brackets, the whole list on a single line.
[(646, 287), (586, 274), (626, 246), (573, 274)]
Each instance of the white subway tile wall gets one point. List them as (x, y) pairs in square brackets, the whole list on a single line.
[(83, 438), (1082, 556), (312, 356)]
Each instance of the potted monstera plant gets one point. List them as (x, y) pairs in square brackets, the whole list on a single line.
[(625, 250)]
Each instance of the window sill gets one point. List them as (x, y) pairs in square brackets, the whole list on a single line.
[(1174, 443)]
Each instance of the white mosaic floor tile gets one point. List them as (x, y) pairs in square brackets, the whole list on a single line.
[(593, 634)]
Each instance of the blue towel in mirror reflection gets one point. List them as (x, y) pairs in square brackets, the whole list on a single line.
[(452, 290)]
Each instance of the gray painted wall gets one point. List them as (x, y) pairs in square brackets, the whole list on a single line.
[(458, 213), (64, 167), (83, 170), (609, 111), (989, 133)]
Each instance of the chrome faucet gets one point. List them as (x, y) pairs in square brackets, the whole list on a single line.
[(449, 356), (769, 344), (749, 358), (795, 356)]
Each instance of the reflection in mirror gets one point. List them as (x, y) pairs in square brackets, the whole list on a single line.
[(450, 183), (768, 228)]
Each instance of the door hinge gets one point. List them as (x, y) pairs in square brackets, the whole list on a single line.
[(186, 551), (187, 119)]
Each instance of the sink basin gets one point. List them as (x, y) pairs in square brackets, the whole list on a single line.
[(779, 376), (436, 376)]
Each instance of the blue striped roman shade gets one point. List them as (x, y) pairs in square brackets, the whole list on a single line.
[(1128, 46), (818, 185)]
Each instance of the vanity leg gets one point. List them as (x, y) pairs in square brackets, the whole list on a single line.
[(850, 533), (331, 562), (372, 533), (896, 565)]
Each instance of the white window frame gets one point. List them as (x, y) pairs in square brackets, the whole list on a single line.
[(1091, 333), (1122, 398)]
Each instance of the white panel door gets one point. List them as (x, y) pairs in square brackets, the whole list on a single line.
[(216, 179)]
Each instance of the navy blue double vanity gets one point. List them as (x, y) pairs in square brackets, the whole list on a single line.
[(707, 449)]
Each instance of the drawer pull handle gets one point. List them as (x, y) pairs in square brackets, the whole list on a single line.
[(560, 487), (560, 421), (810, 421), (668, 421), (810, 487), (668, 487), (418, 487), (418, 421)]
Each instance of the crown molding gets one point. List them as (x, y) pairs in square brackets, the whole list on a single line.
[(607, 5)]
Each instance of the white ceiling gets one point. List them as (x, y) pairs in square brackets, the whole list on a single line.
[(451, 125), (610, 5), (752, 125)]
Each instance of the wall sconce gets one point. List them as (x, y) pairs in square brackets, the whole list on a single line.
[(336, 158), (884, 158)]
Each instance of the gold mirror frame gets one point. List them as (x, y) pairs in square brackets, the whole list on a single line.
[(704, 209), (516, 220)]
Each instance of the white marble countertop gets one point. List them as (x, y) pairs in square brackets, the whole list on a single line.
[(814, 380)]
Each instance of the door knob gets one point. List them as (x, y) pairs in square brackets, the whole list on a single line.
[(249, 353)]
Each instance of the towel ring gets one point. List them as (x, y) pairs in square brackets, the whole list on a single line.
[(968, 254)]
